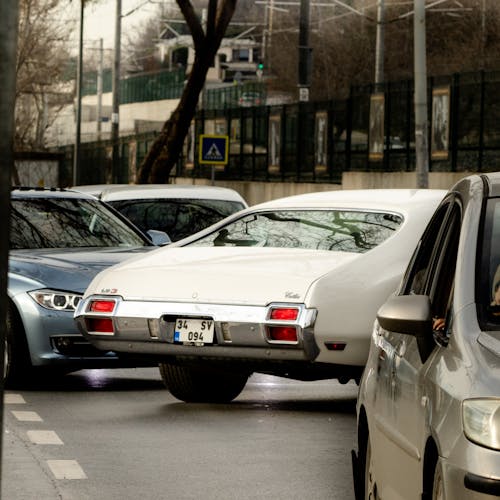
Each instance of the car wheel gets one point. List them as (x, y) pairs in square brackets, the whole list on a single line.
[(17, 368), (202, 384), (438, 484), (370, 483)]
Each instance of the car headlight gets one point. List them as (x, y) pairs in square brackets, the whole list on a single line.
[(54, 299), (481, 420)]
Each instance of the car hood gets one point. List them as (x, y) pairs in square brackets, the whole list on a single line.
[(68, 269), (220, 275)]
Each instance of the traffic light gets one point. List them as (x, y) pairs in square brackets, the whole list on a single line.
[(260, 66)]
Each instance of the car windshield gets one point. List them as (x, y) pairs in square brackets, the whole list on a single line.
[(176, 217), (491, 251), (336, 230), (67, 223)]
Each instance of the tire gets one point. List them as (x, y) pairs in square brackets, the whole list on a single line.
[(202, 384)]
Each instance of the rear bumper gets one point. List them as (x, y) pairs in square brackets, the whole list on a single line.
[(148, 327), (240, 336)]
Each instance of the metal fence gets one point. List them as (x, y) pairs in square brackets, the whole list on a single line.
[(318, 141), (145, 87), (245, 94)]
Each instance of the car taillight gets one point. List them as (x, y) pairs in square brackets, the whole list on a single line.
[(284, 313), (99, 325), (102, 306), (282, 333)]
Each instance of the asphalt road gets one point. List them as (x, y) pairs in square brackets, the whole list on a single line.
[(118, 434)]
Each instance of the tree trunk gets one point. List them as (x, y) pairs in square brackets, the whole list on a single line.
[(167, 147)]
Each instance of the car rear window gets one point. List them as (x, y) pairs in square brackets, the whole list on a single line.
[(335, 230), (176, 217), (67, 223)]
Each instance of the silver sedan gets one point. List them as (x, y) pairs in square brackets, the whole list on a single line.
[(429, 401)]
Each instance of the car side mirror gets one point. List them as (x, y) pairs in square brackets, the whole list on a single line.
[(159, 238), (409, 315)]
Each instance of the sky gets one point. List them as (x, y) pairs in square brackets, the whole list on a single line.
[(99, 19)]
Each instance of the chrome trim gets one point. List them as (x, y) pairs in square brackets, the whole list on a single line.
[(133, 321)]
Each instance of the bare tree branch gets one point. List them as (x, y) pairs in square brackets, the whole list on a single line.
[(167, 147), (193, 22)]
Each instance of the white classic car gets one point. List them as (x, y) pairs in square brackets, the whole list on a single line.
[(289, 287)]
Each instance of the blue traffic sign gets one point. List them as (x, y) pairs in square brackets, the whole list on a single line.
[(213, 149)]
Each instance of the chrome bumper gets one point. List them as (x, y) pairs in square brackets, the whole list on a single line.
[(146, 327)]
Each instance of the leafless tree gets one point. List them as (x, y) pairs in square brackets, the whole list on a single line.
[(42, 67), (461, 36), (165, 150), (140, 51)]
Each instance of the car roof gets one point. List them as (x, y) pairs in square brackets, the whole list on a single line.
[(96, 189), (385, 199), (155, 191), (38, 192), (493, 179)]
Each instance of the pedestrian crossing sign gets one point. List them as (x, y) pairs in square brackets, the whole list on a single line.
[(213, 149)]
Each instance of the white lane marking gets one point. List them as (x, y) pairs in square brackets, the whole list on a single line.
[(27, 416), (13, 399), (62, 469), (66, 469), (44, 437)]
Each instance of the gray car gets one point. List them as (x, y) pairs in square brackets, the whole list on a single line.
[(429, 399), (59, 241)]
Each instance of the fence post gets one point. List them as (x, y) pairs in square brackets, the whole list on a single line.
[(454, 113), (348, 132), (481, 123)]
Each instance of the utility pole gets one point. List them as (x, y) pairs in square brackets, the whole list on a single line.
[(267, 35), (483, 33), (9, 14), (99, 89), (115, 113), (420, 98), (304, 52), (379, 45), (78, 118)]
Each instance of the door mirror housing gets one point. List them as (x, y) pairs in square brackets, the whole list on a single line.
[(159, 238), (409, 315)]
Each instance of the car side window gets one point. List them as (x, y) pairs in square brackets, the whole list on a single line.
[(416, 277), (488, 279), (432, 269), (441, 280)]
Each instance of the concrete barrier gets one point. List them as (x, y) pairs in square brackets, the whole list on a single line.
[(257, 192)]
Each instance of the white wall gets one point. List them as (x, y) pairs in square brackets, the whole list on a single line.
[(63, 130), (257, 192)]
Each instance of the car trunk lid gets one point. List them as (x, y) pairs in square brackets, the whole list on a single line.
[(221, 275)]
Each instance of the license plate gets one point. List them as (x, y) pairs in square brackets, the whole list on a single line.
[(200, 331)]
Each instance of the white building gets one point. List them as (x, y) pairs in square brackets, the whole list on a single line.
[(236, 60)]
